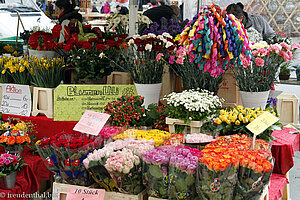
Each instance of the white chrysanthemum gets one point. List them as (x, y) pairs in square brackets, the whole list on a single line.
[(131, 41), (148, 47)]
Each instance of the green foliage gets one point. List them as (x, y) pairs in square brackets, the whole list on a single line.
[(156, 117), (284, 70)]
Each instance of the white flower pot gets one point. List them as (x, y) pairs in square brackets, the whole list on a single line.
[(42, 54), (150, 92), (254, 99)]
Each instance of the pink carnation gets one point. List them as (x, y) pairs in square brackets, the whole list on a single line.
[(171, 60), (285, 45), (296, 46), (259, 62), (255, 53), (158, 57), (179, 60), (262, 51)]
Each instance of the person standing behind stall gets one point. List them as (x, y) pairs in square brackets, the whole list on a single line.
[(155, 14), (122, 10), (68, 16), (252, 21)]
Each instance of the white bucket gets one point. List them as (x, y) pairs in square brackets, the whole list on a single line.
[(150, 92), (254, 99), (42, 54)]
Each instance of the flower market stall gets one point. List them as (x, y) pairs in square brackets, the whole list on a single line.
[(132, 144)]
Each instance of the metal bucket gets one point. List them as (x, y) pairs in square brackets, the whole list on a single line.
[(8, 182)]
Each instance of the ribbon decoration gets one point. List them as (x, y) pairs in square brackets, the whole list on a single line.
[(215, 40)]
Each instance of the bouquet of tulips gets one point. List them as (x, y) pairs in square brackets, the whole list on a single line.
[(182, 174), (156, 170)]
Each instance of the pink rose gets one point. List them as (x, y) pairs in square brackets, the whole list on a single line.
[(86, 163), (130, 164), (259, 62), (119, 167), (158, 57)]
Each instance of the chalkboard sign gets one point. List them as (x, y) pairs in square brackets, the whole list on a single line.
[(71, 101), (16, 99)]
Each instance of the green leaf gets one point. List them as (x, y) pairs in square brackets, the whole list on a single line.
[(155, 171)]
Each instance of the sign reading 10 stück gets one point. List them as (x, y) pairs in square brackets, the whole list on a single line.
[(71, 101)]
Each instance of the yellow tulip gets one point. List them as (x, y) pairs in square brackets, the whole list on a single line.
[(3, 71), (245, 120), (218, 121), (227, 121)]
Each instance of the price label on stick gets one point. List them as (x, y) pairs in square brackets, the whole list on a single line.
[(85, 194), (91, 122), (260, 124)]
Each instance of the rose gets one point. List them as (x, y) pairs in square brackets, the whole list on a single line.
[(86, 45), (119, 167), (56, 30)]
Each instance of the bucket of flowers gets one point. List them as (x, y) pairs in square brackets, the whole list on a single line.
[(10, 164)]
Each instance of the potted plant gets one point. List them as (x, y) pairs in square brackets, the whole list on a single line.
[(256, 78), (86, 51), (46, 75), (143, 59), (284, 72), (43, 44), (191, 107), (9, 165)]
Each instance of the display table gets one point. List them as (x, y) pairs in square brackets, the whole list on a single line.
[(283, 149), (44, 126), (29, 177)]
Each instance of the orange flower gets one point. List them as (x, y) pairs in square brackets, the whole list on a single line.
[(20, 139), (14, 132), (27, 138), (3, 139), (11, 140), (124, 45)]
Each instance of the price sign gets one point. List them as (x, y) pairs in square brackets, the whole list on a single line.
[(16, 99), (91, 122), (260, 124), (85, 194)]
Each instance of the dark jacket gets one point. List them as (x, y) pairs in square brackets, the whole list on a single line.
[(156, 13), (70, 15), (124, 10)]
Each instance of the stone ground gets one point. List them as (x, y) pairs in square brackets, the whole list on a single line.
[(295, 178)]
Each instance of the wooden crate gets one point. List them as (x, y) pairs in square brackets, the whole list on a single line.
[(288, 108), (195, 125), (43, 101), (119, 78), (229, 91), (60, 190)]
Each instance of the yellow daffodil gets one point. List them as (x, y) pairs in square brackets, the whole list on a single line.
[(218, 121), (237, 122)]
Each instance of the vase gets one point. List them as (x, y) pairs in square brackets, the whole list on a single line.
[(255, 99), (284, 76), (42, 54), (150, 92), (9, 181), (16, 150)]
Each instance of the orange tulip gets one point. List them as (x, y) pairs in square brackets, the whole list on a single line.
[(27, 139), (3, 139), (11, 140)]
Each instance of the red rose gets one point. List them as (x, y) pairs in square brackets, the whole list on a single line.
[(100, 47), (68, 47), (93, 40), (87, 45), (111, 43), (56, 30), (49, 41), (73, 146)]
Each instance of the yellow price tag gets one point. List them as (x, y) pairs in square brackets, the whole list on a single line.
[(261, 123)]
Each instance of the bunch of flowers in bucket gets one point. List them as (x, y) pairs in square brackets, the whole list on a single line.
[(144, 59), (66, 151), (117, 166), (87, 52), (126, 111), (15, 135), (182, 173), (17, 69), (9, 164), (108, 132), (192, 105), (234, 121), (260, 74), (227, 169), (155, 135)]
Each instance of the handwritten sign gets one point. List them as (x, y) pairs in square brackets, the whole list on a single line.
[(261, 123), (91, 122), (16, 99), (71, 101), (85, 194)]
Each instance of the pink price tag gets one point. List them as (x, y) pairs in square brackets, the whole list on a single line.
[(91, 122), (85, 194)]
